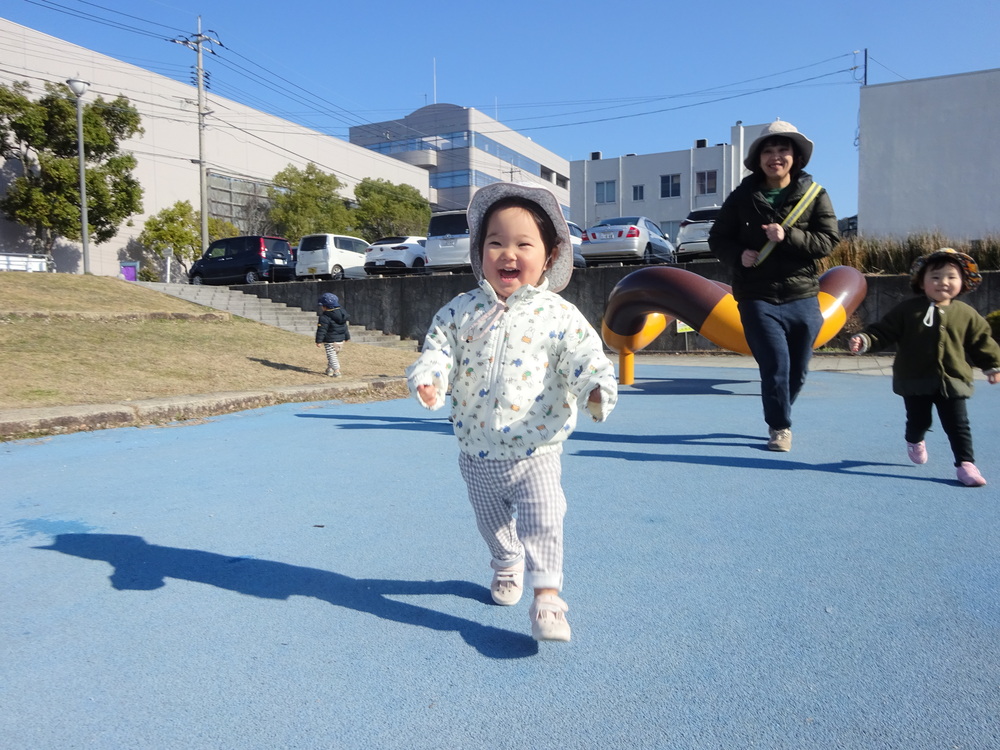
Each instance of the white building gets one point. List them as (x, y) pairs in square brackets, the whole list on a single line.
[(463, 149), (243, 148), (929, 157), (665, 186)]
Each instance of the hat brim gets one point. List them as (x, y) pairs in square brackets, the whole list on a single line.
[(561, 267)]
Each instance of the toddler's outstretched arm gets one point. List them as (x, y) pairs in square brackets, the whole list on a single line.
[(427, 394)]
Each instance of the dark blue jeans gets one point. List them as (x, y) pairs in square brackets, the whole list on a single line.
[(781, 338)]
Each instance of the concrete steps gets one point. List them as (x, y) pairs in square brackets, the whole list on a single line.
[(276, 314)]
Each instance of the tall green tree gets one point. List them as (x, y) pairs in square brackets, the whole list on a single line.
[(307, 202), (177, 228), (40, 137), (386, 209)]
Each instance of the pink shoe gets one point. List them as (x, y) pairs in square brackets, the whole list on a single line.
[(969, 475), (917, 452)]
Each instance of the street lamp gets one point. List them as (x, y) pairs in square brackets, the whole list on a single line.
[(79, 88)]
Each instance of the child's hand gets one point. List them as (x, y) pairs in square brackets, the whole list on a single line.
[(427, 394), (993, 378), (855, 343), (595, 396), (318, 344)]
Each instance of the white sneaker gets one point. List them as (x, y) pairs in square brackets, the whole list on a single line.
[(508, 583), (548, 618)]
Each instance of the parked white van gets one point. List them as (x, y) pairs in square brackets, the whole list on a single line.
[(330, 256), (448, 242)]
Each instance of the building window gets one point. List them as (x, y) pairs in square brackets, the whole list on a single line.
[(705, 182), (606, 192), (670, 186), (638, 192)]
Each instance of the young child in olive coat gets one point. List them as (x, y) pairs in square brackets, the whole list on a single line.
[(936, 338)]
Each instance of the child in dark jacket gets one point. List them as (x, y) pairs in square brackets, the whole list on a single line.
[(936, 338), (332, 331)]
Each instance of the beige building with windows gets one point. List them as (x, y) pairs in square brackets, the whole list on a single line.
[(665, 186), (243, 148), (462, 150)]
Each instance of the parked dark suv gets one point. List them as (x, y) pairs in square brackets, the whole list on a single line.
[(244, 260)]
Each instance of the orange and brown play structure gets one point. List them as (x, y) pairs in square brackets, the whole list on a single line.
[(643, 303)]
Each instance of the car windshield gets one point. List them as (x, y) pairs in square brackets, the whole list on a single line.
[(448, 224), (620, 220), (389, 241), (705, 214)]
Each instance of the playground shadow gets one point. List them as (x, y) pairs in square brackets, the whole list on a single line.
[(370, 422), (687, 387), (140, 566)]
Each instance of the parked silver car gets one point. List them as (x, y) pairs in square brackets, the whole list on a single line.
[(692, 239), (627, 238)]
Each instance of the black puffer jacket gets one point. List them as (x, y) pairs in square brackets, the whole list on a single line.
[(332, 326), (791, 271)]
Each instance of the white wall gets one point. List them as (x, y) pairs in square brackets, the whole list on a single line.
[(929, 157), (239, 141)]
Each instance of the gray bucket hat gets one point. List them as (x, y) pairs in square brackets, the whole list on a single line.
[(785, 130), (562, 267)]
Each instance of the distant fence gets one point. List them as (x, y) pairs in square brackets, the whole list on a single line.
[(25, 262), (405, 305)]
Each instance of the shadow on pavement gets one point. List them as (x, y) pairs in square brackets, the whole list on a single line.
[(369, 422), (140, 566)]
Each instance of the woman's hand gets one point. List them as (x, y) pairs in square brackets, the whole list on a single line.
[(855, 344), (427, 394), (774, 232), (749, 257)]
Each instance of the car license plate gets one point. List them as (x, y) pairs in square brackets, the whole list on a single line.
[(311, 270), (607, 235), (380, 262), (279, 261)]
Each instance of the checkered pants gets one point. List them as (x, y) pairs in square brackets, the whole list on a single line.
[(519, 506), (331, 354)]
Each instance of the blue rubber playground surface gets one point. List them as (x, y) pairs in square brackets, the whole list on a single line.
[(310, 576)]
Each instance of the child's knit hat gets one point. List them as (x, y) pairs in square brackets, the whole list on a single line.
[(971, 278), (329, 300), (562, 267)]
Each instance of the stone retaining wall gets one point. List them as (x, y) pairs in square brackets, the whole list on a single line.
[(405, 305)]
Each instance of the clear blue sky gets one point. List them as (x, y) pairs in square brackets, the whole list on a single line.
[(627, 77)]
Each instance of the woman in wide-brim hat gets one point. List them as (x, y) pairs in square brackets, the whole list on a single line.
[(777, 291)]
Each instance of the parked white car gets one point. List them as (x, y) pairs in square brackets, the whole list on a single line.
[(330, 256), (692, 239), (448, 242), (396, 255), (576, 236)]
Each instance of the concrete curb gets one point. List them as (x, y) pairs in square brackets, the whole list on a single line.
[(16, 424)]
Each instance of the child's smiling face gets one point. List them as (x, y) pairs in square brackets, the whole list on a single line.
[(513, 251), (942, 284)]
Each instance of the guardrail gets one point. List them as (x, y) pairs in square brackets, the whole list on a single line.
[(25, 262)]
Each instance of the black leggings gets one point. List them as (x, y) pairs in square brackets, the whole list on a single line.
[(954, 421)]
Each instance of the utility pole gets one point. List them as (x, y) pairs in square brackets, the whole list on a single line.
[(196, 43)]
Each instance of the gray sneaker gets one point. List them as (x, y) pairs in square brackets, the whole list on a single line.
[(781, 440)]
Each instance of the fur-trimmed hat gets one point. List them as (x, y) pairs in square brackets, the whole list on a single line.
[(782, 129), (971, 278), (562, 266)]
